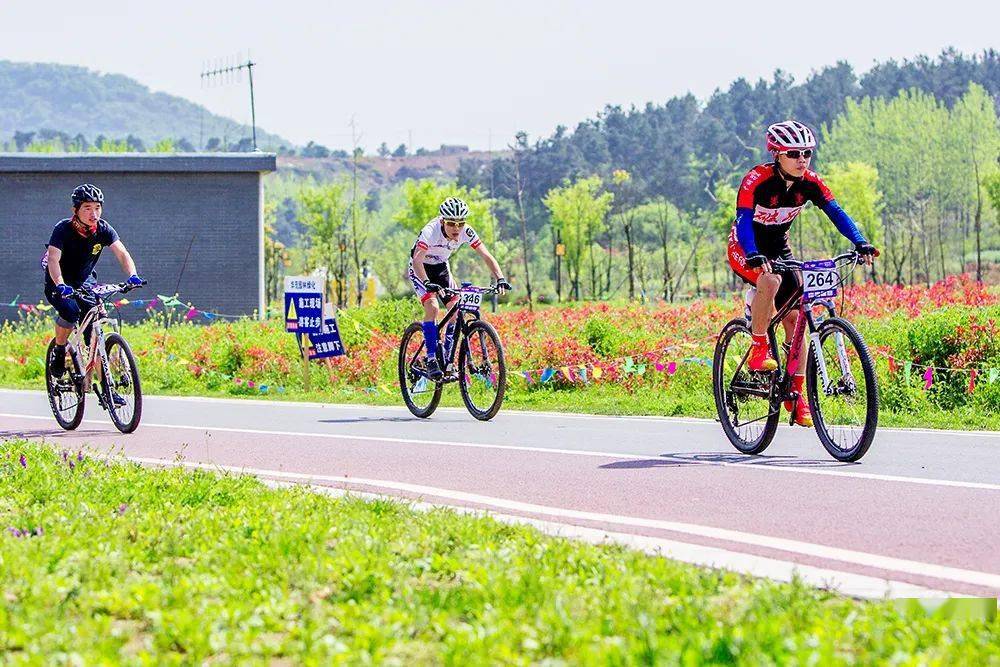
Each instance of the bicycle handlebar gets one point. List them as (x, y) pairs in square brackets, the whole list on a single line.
[(114, 288), (853, 256), (447, 293)]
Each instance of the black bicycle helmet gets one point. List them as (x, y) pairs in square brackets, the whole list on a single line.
[(87, 193)]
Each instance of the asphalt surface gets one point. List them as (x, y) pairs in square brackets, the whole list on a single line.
[(916, 517)]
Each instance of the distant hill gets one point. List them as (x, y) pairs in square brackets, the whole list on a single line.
[(75, 100)]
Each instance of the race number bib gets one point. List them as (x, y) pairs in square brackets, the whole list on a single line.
[(819, 279), (470, 299)]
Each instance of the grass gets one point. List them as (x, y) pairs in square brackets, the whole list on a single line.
[(105, 562)]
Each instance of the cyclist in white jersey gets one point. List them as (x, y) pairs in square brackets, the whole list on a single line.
[(429, 271)]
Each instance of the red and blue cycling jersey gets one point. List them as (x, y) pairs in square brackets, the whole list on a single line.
[(766, 205)]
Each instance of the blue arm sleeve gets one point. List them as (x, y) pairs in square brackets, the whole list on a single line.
[(843, 222), (744, 230)]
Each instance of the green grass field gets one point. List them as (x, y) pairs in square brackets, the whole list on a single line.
[(106, 562)]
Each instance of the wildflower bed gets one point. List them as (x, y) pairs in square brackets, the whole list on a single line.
[(594, 357), (103, 561)]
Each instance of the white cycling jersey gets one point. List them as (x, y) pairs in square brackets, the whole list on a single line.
[(439, 247)]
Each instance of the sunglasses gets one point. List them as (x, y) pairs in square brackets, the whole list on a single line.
[(455, 223), (795, 154)]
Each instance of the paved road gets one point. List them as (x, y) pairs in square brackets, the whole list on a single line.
[(917, 517)]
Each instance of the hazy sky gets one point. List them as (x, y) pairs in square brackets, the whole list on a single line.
[(455, 72)]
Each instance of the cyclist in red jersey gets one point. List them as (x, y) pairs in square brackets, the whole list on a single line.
[(770, 197)]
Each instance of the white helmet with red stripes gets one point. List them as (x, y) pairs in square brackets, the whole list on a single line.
[(789, 135)]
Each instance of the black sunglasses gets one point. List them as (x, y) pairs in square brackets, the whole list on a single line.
[(795, 154)]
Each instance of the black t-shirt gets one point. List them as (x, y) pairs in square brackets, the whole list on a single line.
[(79, 254)]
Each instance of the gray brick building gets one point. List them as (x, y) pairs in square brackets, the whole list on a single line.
[(161, 205)]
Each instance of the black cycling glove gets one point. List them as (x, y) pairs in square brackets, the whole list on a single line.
[(866, 249)]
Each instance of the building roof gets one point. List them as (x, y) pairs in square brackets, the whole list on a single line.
[(136, 162)]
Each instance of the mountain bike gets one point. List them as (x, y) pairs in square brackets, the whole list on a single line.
[(98, 361), (481, 371), (840, 374)]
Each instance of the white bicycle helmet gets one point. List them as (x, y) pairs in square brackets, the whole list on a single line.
[(789, 135), (454, 208)]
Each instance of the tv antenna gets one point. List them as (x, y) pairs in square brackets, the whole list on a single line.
[(228, 70)]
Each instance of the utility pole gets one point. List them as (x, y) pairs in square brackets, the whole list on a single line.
[(226, 74)]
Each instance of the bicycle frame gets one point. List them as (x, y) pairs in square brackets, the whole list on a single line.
[(462, 319), (95, 318), (807, 317)]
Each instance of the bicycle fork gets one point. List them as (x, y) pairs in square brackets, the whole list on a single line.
[(821, 368)]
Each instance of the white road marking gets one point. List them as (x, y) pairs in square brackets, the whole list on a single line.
[(861, 558), (513, 412), (751, 465)]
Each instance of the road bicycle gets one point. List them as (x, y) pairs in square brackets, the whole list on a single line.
[(840, 374), (98, 361), (481, 371)]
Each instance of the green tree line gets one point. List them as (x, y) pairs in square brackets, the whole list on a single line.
[(919, 175)]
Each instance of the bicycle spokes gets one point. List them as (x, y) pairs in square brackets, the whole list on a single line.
[(842, 399), (482, 371), (744, 399)]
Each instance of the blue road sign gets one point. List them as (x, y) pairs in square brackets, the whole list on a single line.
[(303, 304), (327, 343)]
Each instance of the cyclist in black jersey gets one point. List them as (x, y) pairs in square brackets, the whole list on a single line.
[(71, 254), (770, 197)]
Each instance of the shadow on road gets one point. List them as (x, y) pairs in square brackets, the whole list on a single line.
[(358, 420), (695, 458), (50, 433)]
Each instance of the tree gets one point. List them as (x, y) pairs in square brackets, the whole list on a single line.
[(163, 146), (518, 148), (626, 198), (313, 149), (23, 139), (135, 144), (276, 256), (383, 150), (856, 187), (400, 151), (323, 209), (578, 211), (423, 197), (974, 119)]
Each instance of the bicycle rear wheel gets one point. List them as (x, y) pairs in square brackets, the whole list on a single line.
[(66, 397), (420, 393), (482, 371), (845, 411), (122, 390), (742, 398)]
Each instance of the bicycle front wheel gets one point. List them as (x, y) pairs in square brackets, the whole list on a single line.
[(482, 371), (122, 390), (843, 399), (420, 393), (742, 398), (66, 397)]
